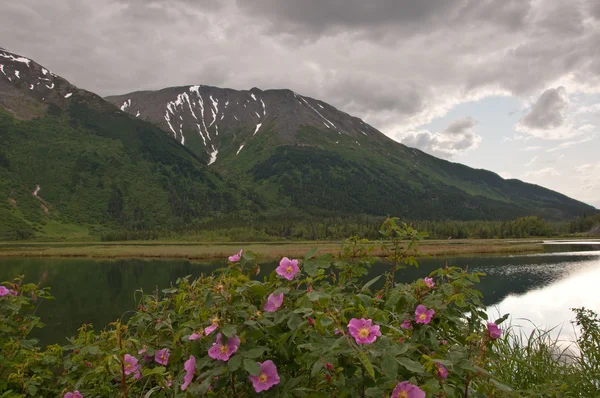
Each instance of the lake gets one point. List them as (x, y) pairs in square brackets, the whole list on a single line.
[(539, 287)]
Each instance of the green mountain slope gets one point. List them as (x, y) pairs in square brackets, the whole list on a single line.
[(302, 154)]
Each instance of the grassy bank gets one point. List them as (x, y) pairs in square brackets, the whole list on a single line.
[(199, 251)]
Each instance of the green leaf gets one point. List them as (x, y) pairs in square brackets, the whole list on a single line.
[(411, 365), (367, 364), (253, 353), (325, 321), (294, 321), (154, 371), (374, 392), (229, 330), (311, 267), (389, 365), (284, 290), (252, 367), (234, 363), (316, 368), (369, 283), (311, 253)]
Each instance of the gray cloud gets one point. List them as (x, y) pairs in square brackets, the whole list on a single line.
[(395, 63), (549, 111), (457, 138)]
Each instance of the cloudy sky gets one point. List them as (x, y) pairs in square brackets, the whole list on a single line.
[(512, 86)]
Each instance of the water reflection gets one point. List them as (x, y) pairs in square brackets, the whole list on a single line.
[(539, 287)]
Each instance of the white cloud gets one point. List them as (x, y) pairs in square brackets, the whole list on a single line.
[(531, 162), (457, 138), (548, 171), (506, 175)]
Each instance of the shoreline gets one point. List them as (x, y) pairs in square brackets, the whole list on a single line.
[(271, 250)]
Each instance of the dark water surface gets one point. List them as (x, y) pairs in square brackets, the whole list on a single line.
[(540, 287)]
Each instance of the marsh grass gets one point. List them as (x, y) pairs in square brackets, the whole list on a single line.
[(540, 363)]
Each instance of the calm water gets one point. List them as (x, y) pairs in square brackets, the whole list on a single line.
[(539, 287)]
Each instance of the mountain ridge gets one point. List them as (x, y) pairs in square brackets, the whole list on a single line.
[(71, 159)]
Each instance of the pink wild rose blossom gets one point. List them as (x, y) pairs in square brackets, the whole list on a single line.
[(224, 352), (236, 257), (494, 331), (407, 390), (209, 329), (74, 394), (267, 378), (4, 291), (131, 366), (429, 282), (423, 315), (441, 371), (363, 331), (162, 356), (287, 268), (273, 303), (194, 336), (190, 369), (406, 324)]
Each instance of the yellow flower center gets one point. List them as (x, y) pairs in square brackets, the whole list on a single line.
[(403, 394), (223, 349), (262, 378), (363, 332), (127, 365), (289, 270), (423, 316), (215, 321)]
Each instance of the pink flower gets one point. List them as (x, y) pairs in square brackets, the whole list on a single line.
[(336, 331), (287, 268), (494, 330), (273, 303), (310, 321), (406, 324), (194, 336), (441, 371), (236, 257), (190, 369), (268, 376), (444, 342), (4, 291), (362, 330), (423, 315), (162, 356), (224, 352), (407, 390), (74, 394), (131, 366), (143, 350), (429, 282), (215, 324)]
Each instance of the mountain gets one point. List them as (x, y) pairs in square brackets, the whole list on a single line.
[(185, 158), (301, 153), (71, 162)]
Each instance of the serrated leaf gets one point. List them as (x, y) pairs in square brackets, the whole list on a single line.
[(369, 283), (316, 368), (389, 365), (411, 365), (311, 253), (229, 330), (367, 364), (253, 353), (311, 267), (234, 363), (294, 321), (252, 367)]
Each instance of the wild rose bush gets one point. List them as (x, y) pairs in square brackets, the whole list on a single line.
[(311, 328)]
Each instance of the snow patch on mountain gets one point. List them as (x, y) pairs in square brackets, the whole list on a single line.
[(16, 59), (2, 69), (264, 107), (311, 107), (68, 95), (213, 156), (238, 151), (17, 74), (257, 127), (126, 105), (51, 86), (253, 97)]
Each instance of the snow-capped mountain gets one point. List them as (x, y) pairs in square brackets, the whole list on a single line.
[(210, 119), (24, 84)]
